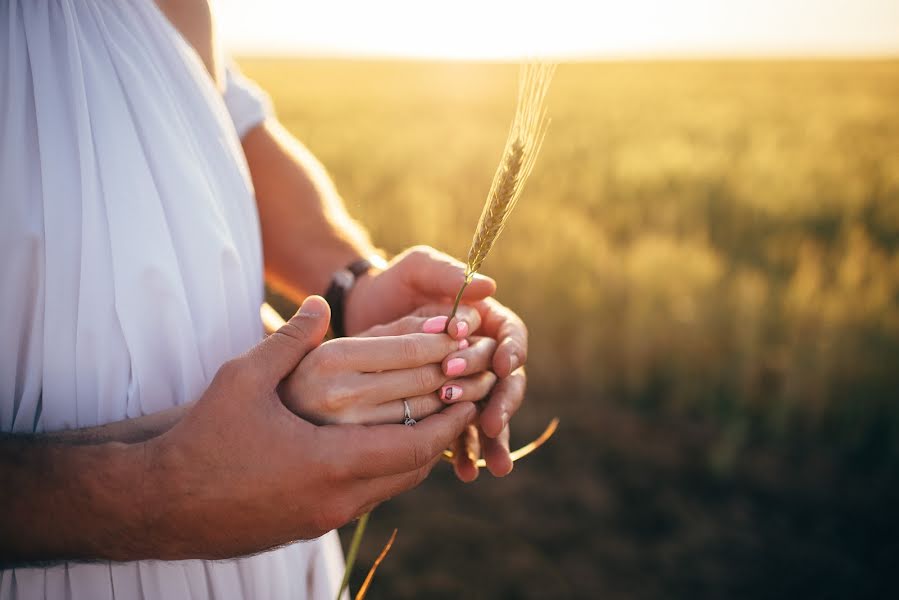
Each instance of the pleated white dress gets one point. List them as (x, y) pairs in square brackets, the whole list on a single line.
[(130, 259)]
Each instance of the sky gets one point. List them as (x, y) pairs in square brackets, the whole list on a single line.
[(504, 29)]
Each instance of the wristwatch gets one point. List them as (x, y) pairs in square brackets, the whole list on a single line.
[(341, 283)]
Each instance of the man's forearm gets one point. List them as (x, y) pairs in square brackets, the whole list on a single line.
[(127, 431), (64, 502), (307, 233)]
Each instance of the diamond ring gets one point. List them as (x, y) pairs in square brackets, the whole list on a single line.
[(407, 414)]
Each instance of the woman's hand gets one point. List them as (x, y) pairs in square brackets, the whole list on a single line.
[(364, 380)]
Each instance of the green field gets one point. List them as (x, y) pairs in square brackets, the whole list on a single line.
[(707, 257)]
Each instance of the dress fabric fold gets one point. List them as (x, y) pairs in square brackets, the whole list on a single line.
[(132, 260)]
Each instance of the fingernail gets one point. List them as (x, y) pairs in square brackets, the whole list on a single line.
[(513, 362), (461, 329), (450, 392), (435, 325), (463, 344), (504, 418), (312, 306), (455, 366)]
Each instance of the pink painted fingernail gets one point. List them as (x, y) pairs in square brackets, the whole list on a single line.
[(463, 344), (450, 392), (435, 325), (455, 366), (461, 329)]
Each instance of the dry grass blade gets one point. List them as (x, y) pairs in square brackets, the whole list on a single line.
[(360, 595), (521, 452), (354, 550), (519, 155)]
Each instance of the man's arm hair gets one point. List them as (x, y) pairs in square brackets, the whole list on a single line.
[(71, 502), (127, 431)]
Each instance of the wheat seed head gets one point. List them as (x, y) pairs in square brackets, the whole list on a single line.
[(519, 154)]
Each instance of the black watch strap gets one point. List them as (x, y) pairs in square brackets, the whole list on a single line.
[(341, 283)]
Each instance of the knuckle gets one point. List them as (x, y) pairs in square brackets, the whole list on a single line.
[(336, 399), (335, 515), (490, 380), (329, 356), (520, 377), (428, 378), (421, 250), (232, 373), (410, 324), (417, 254), (296, 330), (410, 350), (421, 406)]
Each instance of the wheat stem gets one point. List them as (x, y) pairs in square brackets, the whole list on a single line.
[(353, 551), (456, 303)]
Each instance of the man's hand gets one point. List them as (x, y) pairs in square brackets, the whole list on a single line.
[(422, 280), (418, 276), (241, 473), (491, 436)]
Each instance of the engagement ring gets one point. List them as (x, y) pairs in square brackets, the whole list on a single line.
[(407, 414)]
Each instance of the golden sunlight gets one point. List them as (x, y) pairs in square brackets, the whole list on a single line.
[(491, 29)]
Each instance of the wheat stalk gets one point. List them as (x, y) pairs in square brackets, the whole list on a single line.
[(519, 155)]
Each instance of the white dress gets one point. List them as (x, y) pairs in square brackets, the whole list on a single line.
[(130, 259)]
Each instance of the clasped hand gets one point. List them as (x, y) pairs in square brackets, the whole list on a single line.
[(239, 457)]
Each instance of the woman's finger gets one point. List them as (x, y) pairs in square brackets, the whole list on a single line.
[(466, 450), (505, 400), (496, 453), (466, 321), (431, 319), (370, 355), (472, 388), (475, 357), (420, 407), (386, 386), (378, 388)]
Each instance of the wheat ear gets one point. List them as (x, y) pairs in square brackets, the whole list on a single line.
[(519, 154)]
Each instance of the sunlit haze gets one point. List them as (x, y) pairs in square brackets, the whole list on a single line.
[(491, 29)]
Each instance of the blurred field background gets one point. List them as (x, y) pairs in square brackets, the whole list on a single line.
[(707, 257)]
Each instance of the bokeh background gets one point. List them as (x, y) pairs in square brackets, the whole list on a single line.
[(707, 256)]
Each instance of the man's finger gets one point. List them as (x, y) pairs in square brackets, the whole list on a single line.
[(437, 275), (510, 333), (382, 450), (466, 451), (376, 491), (496, 453), (505, 400), (280, 353)]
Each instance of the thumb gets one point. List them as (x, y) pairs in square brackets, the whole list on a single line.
[(280, 353), (438, 276)]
